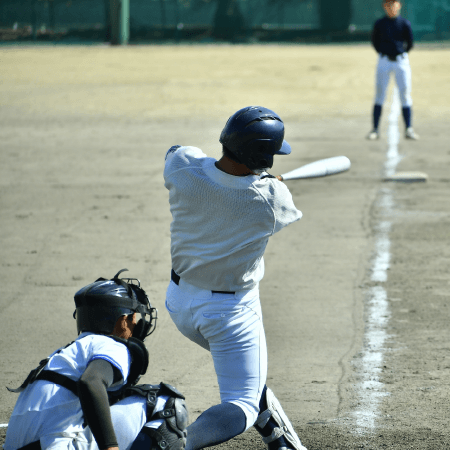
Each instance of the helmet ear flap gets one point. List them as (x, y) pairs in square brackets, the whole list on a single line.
[(257, 157)]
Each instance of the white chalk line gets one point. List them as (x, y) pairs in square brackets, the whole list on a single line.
[(392, 156), (370, 389)]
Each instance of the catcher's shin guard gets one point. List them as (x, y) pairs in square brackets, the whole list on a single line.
[(274, 426), (166, 437), (171, 434)]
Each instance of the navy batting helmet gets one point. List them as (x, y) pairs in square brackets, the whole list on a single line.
[(254, 135), (100, 304)]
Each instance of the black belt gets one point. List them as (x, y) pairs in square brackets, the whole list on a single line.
[(392, 57), (36, 445), (176, 279)]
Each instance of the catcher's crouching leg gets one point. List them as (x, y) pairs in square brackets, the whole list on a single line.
[(171, 433), (274, 426)]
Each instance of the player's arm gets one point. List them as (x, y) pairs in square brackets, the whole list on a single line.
[(281, 205), (171, 150), (409, 38), (180, 157), (375, 38), (284, 208), (180, 150), (98, 376)]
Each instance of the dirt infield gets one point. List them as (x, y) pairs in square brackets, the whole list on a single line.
[(83, 134)]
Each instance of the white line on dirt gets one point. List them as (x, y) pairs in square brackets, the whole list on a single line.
[(370, 389), (382, 259), (392, 157)]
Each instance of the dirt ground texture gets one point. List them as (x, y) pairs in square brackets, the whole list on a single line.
[(83, 135)]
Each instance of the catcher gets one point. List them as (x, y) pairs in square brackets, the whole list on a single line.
[(84, 395)]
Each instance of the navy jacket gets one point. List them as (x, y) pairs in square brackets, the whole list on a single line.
[(392, 37)]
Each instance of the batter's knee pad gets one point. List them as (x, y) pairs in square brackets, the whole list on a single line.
[(171, 434), (274, 426)]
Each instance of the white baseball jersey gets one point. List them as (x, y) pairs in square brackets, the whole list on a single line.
[(47, 411), (221, 223)]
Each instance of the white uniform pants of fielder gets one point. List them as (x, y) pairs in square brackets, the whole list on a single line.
[(402, 71)]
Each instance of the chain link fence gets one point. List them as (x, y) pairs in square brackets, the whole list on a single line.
[(208, 20)]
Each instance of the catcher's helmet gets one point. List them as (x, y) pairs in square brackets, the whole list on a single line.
[(100, 304), (254, 135)]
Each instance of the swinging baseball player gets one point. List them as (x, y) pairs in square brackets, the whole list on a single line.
[(224, 213), (65, 403), (392, 38)]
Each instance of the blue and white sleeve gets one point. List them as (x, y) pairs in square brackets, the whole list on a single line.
[(116, 354), (172, 150)]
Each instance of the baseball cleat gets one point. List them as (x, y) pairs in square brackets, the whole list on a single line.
[(283, 435), (373, 135), (411, 134)]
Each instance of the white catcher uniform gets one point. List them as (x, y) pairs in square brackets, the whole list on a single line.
[(220, 229), (52, 414)]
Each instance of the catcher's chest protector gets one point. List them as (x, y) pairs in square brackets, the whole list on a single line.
[(139, 365)]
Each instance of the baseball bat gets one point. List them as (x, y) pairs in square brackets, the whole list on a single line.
[(320, 168)]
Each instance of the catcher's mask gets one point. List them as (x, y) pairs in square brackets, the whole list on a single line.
[(100, 304)]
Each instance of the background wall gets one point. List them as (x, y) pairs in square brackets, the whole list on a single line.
[(218, 19)]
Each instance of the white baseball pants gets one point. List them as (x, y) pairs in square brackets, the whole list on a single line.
[(229, 326), (128, 417), (402, 71)]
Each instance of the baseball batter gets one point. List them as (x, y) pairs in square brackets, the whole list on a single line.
[(392, 38), (224, 213), (65, 403)]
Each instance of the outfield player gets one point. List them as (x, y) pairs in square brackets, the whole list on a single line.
[(392, 38), (224, 213), (65, 402)]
